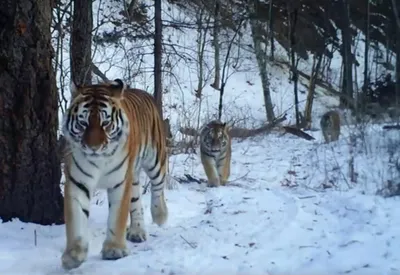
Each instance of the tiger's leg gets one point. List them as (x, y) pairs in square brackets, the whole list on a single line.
[(156, 169), (119, 198), (224, 168), (326, 136), (211, 171), (76, 215), (136, 232)]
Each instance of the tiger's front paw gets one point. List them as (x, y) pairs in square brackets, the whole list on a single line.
[(136, 235), (75, 255), (113, 251), (224, 182), (213, 183)]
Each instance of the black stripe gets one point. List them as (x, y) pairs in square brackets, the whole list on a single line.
[(102, 104), (157, 189), (116, 168), (92, 163), (155, 164), (80, 168), (156, 175), (158, 184), (86, 212), (120, 116), (135, 183), (68, 120), (133, 199), (80, 186), (206, 153), (145, 149), (118, 184)]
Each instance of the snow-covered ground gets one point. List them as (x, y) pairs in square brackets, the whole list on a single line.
[(290, 207), (255, 225)]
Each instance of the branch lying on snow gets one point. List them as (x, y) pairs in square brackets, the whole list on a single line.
[(296, 132), (391, 127), (245, 133), (240, 132), (188, 131)]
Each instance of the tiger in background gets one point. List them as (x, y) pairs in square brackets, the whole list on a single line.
[(330, 126), (112, 133), (215, 152)]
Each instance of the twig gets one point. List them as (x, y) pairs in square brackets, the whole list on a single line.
[(239, 178), (306, 197), (190, 244)]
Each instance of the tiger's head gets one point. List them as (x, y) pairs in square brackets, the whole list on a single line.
[(95, 123), (215, 136)]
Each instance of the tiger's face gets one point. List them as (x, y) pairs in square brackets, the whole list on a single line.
[(216, 137), (95, 123)]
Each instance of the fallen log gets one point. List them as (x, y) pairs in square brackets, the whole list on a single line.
[(237, 132), (297, 132)]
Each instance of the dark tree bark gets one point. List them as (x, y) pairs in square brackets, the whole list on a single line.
[(271, 32), (295, 76), (396, 7), (346, 56), (366, 49), (29, 165), (81, 42), (158, 56)]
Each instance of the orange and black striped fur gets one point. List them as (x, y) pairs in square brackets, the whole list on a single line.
[(215, 152), (330, 126), (112, 132)]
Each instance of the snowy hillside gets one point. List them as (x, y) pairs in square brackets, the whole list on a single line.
[(290, 206), (243, 99)]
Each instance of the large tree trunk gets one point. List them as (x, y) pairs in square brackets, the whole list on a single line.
[(29, 165), (81, 42), (397, 77), (347, 57), (158, 56)]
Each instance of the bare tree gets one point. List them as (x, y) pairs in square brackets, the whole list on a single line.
[(292, 18), (225, 74), (29, 165), (347, 77), (366, 47), (317, 61), (271, 31), (217, 22), (260, 52), (397, 18)]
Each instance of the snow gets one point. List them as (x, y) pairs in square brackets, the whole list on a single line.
[(255, 225), (290, 207)]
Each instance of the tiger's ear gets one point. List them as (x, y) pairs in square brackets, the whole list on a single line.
[(228, 126), (120, 87)]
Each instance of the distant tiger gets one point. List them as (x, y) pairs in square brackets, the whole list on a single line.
[(330, 126), (112, 133), (215, 152)]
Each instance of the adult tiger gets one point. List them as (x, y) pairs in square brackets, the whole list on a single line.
[(330, 126), (112, 132), (215, 152)]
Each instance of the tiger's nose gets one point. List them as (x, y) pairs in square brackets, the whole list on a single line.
[(93, 147)]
